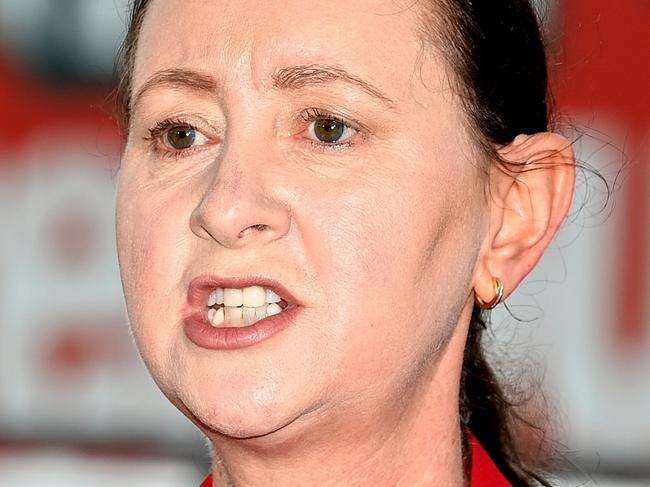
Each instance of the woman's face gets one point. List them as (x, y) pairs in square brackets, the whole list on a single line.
[(316, 147)]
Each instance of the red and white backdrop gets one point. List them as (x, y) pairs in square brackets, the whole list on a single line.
[(68, 370)]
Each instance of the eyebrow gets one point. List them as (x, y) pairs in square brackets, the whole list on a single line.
[(289, 78), (176, 79), (297, 77)]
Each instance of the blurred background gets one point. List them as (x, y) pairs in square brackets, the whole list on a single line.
[(76, 404)]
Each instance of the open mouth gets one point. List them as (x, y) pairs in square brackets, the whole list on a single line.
[(237, 307), (228, 313)]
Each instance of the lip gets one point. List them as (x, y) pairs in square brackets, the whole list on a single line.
[(199, 331)]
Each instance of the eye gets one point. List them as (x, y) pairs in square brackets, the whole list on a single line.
[(330, 131), (183, 137), (174, 137), (326, 128)]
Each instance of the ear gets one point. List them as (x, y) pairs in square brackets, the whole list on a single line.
[(528, 198)]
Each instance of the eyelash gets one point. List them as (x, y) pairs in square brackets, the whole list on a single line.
[(312, 114), (158, 131), (309, 115)]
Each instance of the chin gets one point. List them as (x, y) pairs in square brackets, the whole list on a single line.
[(245, 412), (247, 393)]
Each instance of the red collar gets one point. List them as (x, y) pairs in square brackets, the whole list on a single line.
[(484, 472)]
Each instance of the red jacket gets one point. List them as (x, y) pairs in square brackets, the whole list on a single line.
[(483, 472)]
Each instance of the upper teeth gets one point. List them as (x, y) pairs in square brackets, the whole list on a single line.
[(216, 297), (242, 306), (250, 297)]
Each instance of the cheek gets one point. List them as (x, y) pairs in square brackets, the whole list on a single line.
[(377, 245), (387, 249), (360, 254), (152, 254)]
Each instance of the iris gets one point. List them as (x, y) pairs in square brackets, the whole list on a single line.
[(328, 131), (181, 137)]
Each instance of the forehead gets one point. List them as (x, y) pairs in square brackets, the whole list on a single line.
[(376, 39)]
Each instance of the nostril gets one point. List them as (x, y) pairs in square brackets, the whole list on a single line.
[(260, 227)]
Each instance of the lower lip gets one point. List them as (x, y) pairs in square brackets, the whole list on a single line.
[(203, 334)]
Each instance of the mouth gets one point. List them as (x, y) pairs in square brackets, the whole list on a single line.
[(237, 312), (243, 306)]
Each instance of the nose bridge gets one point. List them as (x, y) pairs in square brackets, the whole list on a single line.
[(238, 206)]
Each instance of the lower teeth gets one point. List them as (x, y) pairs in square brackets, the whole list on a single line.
[(241, 315)]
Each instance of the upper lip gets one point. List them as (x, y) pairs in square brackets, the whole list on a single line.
[(201, 287)]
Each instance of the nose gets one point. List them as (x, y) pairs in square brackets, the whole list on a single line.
[(238, 208)]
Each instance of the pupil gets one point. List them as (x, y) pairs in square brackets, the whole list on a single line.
[(328, 130), (181, 137)]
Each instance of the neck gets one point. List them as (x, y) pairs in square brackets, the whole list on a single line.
[(413, 440)]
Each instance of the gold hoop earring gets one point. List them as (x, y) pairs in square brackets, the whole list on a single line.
[(498, 288)]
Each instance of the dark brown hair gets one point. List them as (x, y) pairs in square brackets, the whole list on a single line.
[(497, 55)]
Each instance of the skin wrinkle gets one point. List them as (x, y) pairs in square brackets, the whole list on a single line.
[(381, 240), (297, 77), (177, 79)]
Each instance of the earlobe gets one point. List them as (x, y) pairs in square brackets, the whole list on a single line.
[(530, 192)]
